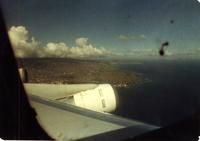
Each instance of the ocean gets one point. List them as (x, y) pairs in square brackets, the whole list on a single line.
[(170, 92)]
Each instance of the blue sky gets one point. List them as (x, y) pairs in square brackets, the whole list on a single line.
[(122, 26)]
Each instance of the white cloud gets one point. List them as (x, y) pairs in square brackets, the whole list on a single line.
[(81, 42), (168, 53), (22, 44), (123, 37), (84, 48), (26, 46), (143, 52), (132, 37), (136, 50), (56, 50)]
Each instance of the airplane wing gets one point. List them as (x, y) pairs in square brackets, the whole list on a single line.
[(64, 118), (64, 121)]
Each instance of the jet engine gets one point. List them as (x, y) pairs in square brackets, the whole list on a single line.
[(97, 97)]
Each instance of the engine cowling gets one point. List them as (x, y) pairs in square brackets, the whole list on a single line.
[(96, 97), (102, 98)]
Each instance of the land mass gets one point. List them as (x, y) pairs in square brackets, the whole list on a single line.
[(71, 71)]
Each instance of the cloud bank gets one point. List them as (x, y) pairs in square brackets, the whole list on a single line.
[(25, 46)]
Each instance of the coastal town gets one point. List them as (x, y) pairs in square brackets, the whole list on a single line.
[(72, 71)]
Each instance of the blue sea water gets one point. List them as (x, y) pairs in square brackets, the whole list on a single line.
[(170, 92)]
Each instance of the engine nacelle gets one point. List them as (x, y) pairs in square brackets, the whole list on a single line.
[(96, 97), (102, 99)]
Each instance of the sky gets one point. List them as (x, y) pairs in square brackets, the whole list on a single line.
[(120, 28)]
